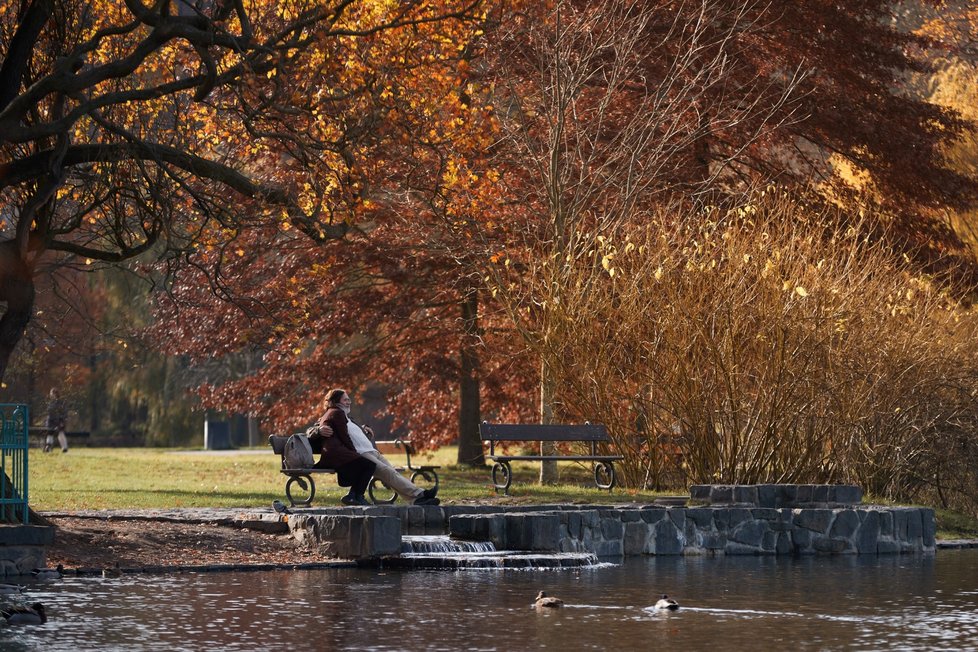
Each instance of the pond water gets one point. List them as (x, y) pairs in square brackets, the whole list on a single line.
[(858, 603)]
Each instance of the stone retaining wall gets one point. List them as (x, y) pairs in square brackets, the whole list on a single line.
[(708, 530), (627, 530)]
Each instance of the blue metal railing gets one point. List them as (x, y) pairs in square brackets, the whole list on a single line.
[(13, 463)]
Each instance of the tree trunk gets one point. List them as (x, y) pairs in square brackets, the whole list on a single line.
[(548, 469), (17, 290), (469, 443)]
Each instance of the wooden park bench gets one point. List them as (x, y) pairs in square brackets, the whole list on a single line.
[(300, 488), (593, 434)]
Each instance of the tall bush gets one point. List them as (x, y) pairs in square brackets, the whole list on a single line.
[(762, 343)]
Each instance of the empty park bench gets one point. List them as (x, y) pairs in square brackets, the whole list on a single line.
[(300, 488), (593, 434)]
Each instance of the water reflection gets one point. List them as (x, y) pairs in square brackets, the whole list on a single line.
[(861, 603)]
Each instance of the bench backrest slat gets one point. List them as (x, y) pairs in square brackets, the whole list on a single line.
[(542, 432)]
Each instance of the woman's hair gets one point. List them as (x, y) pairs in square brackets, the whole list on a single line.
[(334, 396)]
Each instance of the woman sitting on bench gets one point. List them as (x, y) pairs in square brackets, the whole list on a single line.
[(352, 469), (360, 442)]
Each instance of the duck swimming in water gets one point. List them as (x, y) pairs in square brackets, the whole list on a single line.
[(666, 603), (547, 602), (114, 571), (49, 573), (20, 615)]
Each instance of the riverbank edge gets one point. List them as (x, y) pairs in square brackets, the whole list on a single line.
[(268, 521)]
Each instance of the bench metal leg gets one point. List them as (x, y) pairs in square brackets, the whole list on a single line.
[(430, 476), (297, 486), (502, 477), (380, 493), (604, 475)]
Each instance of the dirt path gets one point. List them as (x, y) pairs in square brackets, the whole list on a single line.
[(86, 543)]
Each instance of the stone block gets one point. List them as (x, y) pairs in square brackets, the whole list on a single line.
[(721, 494), (544, 532), (867, 539), (767, 496), (929, 527), (765, 514), (804, 494), (653, 515), (737, 515), (702, 517), (820, 493), (734, 548), (629, 515), (678, 518), (636, 538), (26, 535), (517, 533), (356, 535), (611, 528), (847, 494), (745, 494), (414, 516), (887, 547), (801, 540), (608, 548), (832, 546), (699, 492), (816, 520), (886, 523), (783, 545), (899, 524), (713, 541), (574, 524), (383, 536), (787, 495), (668, 540), (915, 525), (435, 521), (750, 533), (845, 524), (769, 541), (461, 527)]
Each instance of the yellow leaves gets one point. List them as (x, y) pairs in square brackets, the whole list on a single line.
[(801, 291)]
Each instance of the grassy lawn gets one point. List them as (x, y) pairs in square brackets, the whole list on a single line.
[(114, 478)]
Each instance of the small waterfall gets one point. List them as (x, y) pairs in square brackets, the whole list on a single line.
[(442, 552), (443, 545)]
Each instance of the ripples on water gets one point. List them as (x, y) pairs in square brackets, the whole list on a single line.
[(860, 603)]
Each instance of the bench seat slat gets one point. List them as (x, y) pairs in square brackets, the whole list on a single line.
[(542, 432), (306, 471)]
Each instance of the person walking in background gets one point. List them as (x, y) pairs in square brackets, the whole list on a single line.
[(56, 422), (362, 440)]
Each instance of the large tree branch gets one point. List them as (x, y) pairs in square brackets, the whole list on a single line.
[(37, 165), (21, 45)]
